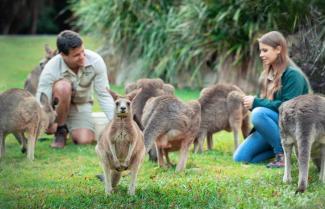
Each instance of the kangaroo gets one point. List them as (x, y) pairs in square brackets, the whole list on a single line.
[(172, 126), (121, 145), (302, 124), (147, 88), (20, 114), (32, 80), (221, 109), (156, 83)]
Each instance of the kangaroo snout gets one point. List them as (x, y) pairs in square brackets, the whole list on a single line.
[(123, 109)]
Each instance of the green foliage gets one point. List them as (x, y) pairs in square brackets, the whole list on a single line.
[(172, 37)]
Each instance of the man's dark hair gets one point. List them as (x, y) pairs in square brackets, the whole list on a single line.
[(67, 40)]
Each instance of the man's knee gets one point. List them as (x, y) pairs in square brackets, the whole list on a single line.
[(83, 136), (62, 87)]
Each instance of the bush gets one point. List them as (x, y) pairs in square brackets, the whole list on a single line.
[(309, 52), (187, 36)]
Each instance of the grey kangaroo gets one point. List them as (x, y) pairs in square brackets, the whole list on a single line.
[(302, 124), (221, 109), (21, 114), (32, 80), (147, 88), (171, 125)]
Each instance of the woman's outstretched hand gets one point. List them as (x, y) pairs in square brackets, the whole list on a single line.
[(248, 101)]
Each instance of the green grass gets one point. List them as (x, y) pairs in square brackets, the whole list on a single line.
[(66, 178)]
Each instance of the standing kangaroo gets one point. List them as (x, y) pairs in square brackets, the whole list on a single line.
[(171, 125), (20, 114), (121, 145), (302, 124), (221, 109)]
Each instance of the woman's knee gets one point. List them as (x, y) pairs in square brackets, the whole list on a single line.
[(241, 157), (246, 150), (242, 154), (258, 115)]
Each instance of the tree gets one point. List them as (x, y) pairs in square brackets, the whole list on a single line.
[(33, 16)]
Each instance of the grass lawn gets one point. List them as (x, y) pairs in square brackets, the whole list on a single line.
[(66, 178)]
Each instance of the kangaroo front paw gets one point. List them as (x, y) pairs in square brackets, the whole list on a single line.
[(125, 165), (117, 165)]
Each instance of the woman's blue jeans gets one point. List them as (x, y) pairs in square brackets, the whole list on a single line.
[(264, 142)]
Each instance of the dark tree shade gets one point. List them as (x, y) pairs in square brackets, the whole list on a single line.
[(33, 16)]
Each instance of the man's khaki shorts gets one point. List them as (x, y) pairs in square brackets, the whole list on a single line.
[(80, 117)]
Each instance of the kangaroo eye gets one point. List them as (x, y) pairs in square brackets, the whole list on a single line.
[(128, 104), (117, 103)]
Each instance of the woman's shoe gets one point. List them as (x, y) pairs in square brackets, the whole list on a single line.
[(278, 162)]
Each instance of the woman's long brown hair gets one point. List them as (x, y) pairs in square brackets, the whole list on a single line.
[(274, 39)]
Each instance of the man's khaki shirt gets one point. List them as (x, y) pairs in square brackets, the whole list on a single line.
[(93, 76)]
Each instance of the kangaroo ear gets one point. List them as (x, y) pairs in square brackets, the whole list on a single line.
[(54, 52), (169, 89), (44, 99), (133, 93), (48, 51), (113, 94)]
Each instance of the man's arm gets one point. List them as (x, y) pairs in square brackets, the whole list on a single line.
[(45, 83), (105, 100)]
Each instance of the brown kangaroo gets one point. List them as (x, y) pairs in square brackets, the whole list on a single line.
[(147, 88), (32, 80), (22, 114), (121, 145), (221, 109), (172, 125)]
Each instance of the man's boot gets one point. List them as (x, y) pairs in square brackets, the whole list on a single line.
[(60, 137)]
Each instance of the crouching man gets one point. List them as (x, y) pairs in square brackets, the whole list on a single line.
[(69, 79)]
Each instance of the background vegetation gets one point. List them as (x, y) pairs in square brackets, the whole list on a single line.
[(169, 39), (66, 178), (191, 43), (34, 16)]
